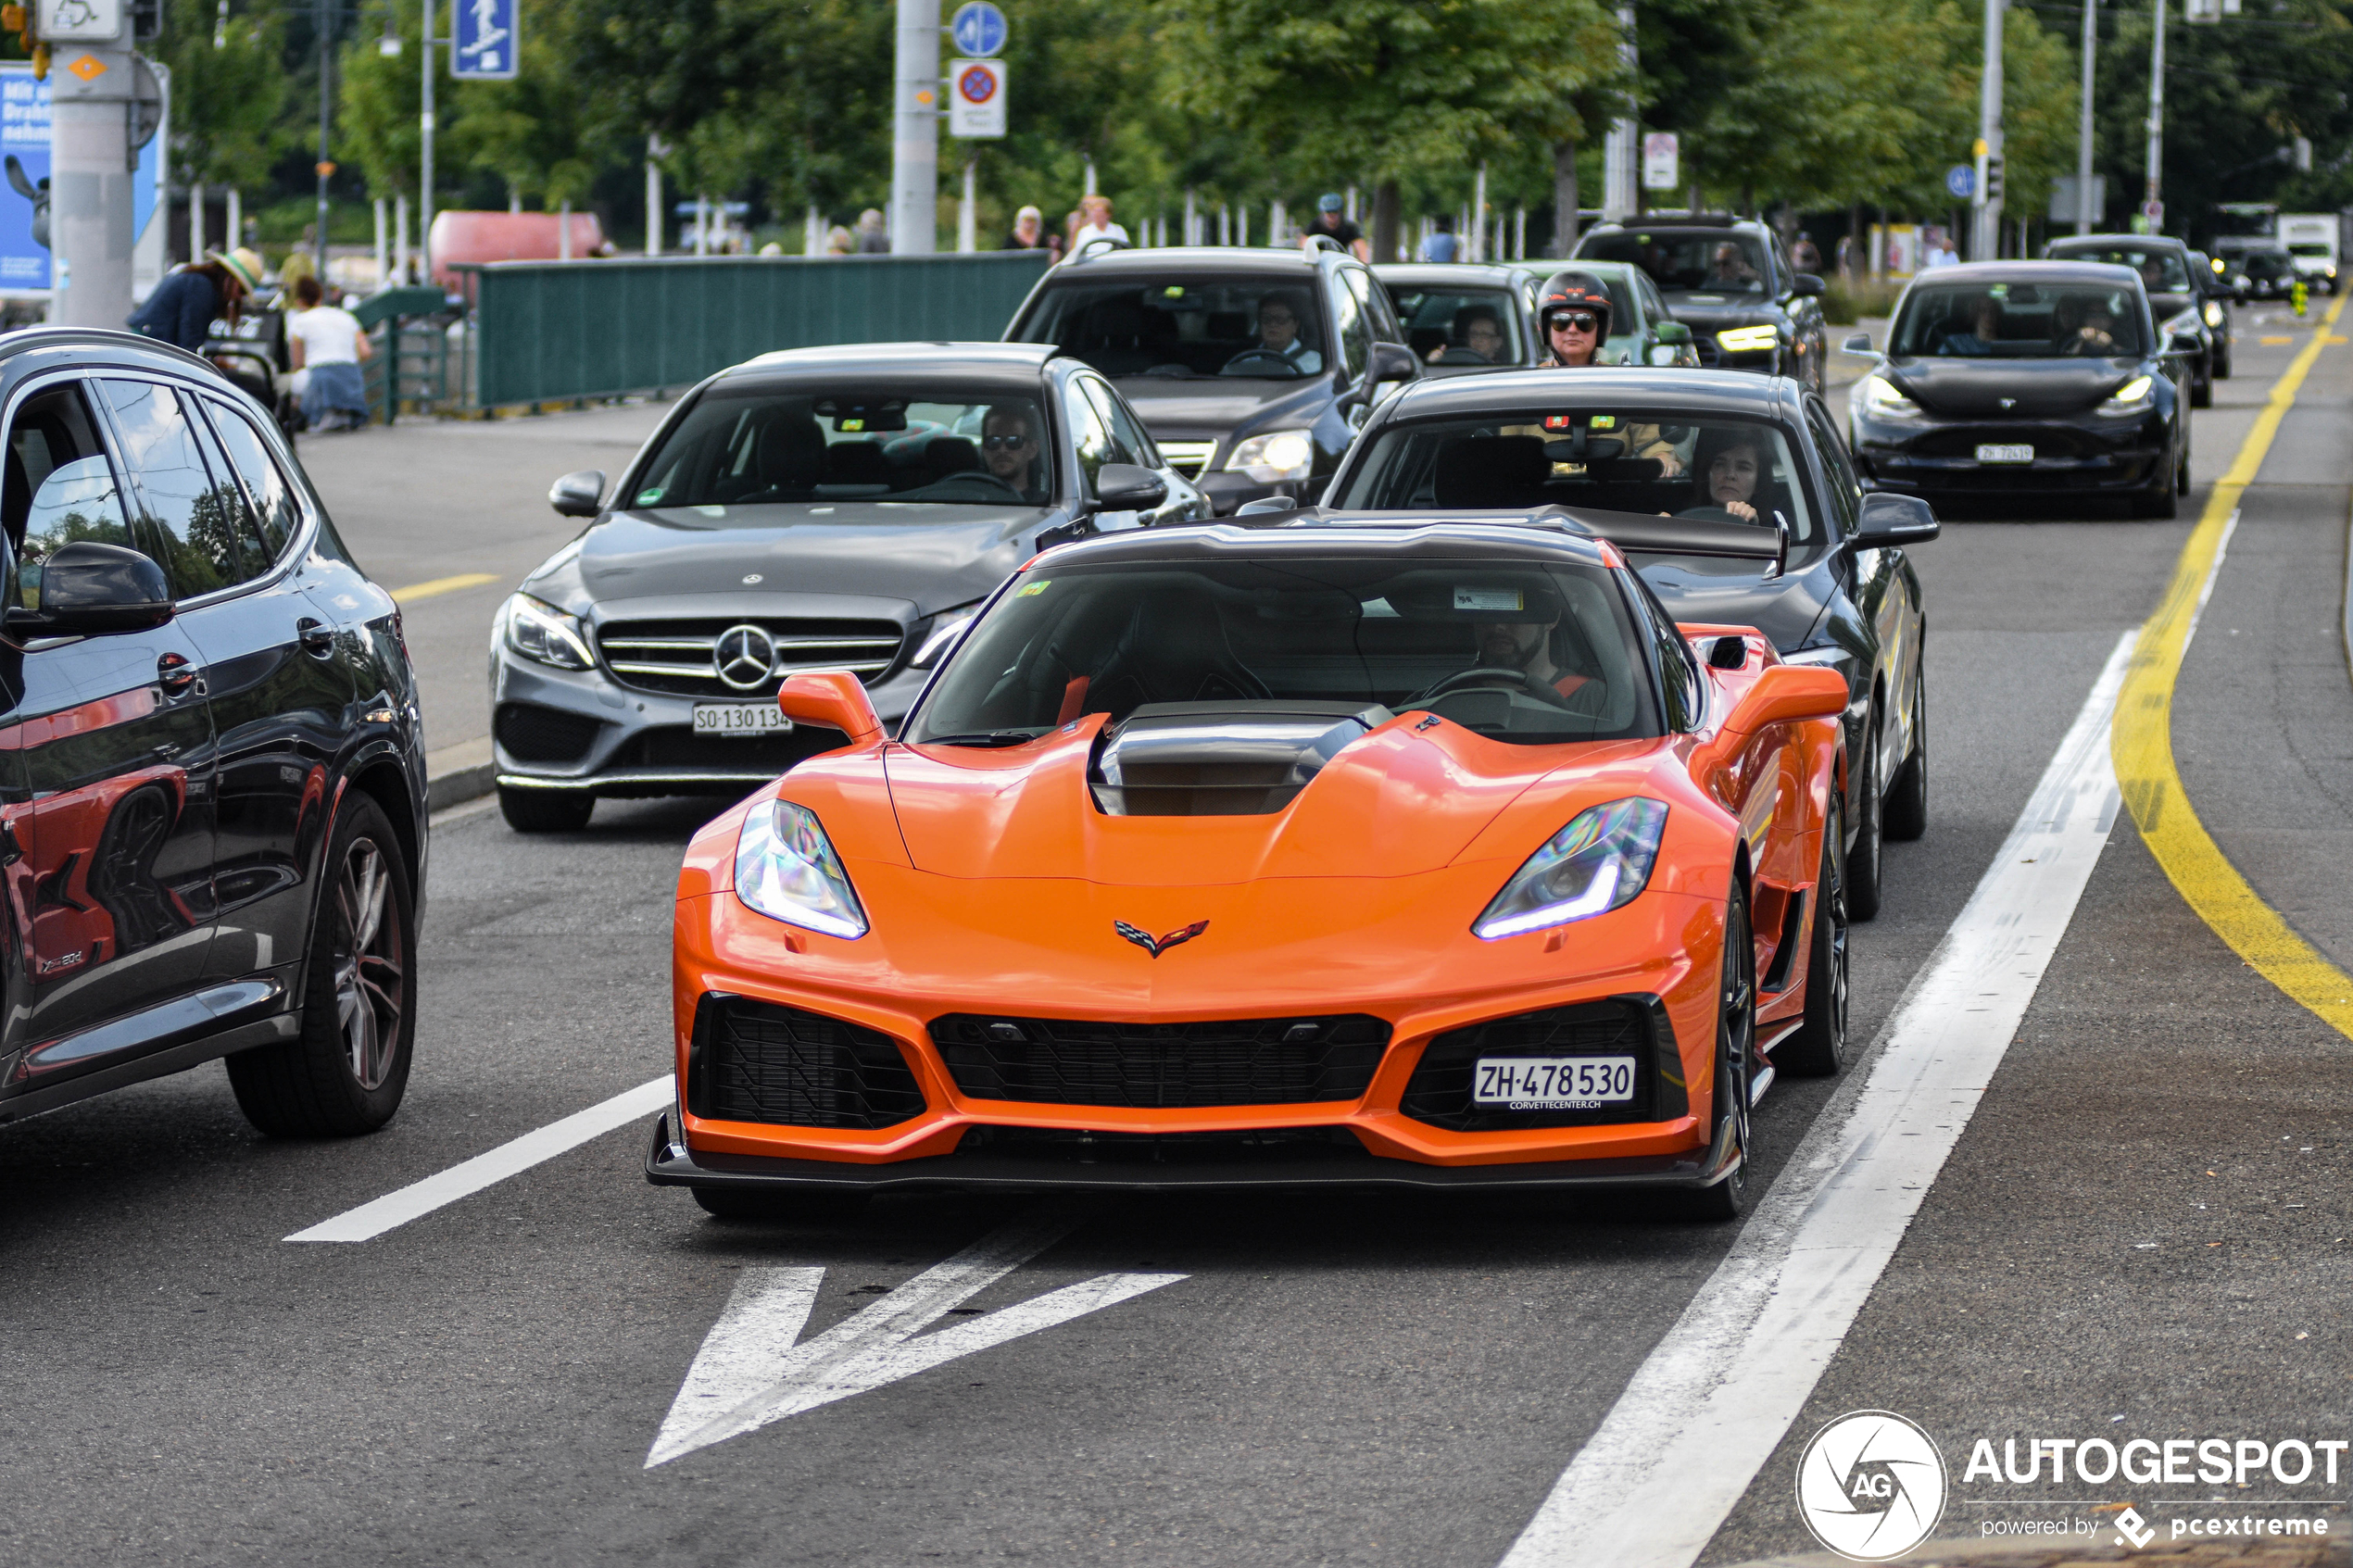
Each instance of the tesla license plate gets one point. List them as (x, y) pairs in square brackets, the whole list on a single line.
[(1554, 1083), (741, 718), (1993, 453)]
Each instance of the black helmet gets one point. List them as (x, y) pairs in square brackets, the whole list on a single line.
[(1572, 291)]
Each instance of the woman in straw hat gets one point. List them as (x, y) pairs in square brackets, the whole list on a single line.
[(191, 298)]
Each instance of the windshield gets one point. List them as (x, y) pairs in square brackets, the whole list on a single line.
[(1701, 260), (1261, 328), (2267, 263), (1459, 327), (1621, 461), (2162, 271), (1525, 653), (2019, 321), (746, 445)]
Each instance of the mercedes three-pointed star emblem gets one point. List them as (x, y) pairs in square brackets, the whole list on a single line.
[(1156, 946), (745, 657)]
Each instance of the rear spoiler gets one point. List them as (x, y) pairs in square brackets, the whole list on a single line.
[(1645, 531)]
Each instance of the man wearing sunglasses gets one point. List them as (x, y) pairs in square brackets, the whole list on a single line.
[(1009, 446), (1573, 311)]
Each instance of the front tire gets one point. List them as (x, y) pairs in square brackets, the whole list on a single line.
[(1904, 815), (1735, 1049), (1863, 857), (345, 1071), (545, 810), (1819, 1048)]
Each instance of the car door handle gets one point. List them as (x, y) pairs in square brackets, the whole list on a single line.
[(316, 636), (176, 676)]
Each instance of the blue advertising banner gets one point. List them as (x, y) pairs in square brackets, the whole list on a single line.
[(24, 181), (486, 44)]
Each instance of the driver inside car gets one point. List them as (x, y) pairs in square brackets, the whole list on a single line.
[(1730, 467), (1278, 334), (1482, 335), (1526, 647), (1008, 447)]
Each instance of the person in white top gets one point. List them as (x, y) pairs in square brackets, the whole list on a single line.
[(328, 341), (1095, 224)]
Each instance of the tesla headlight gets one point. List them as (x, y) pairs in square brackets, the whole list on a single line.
[(1598, 862), (1883, 399), (947, 629), (1749, 340), (2134, 397), (2213, 313), (541, 632), (786, 868), (1275, 457)]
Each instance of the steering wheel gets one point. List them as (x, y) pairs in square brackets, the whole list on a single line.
[(1485, 675), (1251, 356), (971, 476)]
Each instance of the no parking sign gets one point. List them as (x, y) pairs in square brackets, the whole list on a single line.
[(976, 98)]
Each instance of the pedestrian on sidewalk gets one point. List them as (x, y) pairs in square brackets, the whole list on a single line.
[(873, 237), (1030, 233), (328, 341), (1442, 246), (1094, 223), (190, 298)]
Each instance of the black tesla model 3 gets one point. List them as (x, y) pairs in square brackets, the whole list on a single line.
[(2017, 377)]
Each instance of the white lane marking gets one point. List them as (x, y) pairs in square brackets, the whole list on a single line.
[(1700, 1417), (750, 1373), (370, 1220)]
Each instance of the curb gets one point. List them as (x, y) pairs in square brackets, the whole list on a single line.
[(456, 774)]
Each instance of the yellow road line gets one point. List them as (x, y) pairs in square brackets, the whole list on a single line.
[(416, 590), (2268, 342), (2142, 740)]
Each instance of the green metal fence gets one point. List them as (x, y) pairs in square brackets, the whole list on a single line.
[(550, 330)]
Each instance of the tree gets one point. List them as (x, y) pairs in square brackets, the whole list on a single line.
[(229, 104)]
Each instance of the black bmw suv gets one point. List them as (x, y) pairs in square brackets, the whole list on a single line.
[(1731, 282), (1252, 368), (212, 784)]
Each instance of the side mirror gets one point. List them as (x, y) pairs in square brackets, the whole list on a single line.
[(1806, 285), (1858, 343), (1675, 333), (2183, 345), (578, 494), (1784, 692), (1394, 361), (1888, 518), (1124, 487), (833, 699), (87, 589)]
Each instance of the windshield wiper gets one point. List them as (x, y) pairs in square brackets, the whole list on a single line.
[(987, 737)]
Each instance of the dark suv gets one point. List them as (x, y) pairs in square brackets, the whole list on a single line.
[(1731, 282), (1252, 368), (212, 808)]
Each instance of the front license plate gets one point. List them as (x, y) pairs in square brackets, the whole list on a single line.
[(741, 718), (1994, 453), (1554, 1083)]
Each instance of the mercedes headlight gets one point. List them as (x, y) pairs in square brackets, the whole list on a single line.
[(947, 629), (786, 868), (1883, 399), (541, 632), (1278, 455), (2134, 397), (1749, 340), (2213, 313), (1598, 862)]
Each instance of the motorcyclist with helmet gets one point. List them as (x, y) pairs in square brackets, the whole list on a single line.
[(1574, 310)]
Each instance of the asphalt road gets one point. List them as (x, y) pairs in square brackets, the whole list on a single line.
[(2142, 1232)]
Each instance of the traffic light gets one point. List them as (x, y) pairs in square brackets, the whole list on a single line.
[(18, 20)]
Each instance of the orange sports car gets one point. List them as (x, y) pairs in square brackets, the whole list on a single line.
[(1432, 855)]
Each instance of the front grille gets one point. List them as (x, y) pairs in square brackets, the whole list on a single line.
[(680, 749), (1187, 457), (531, 733), (1440, 1090), (1235, 1061), (674, 657), (753, 1062)]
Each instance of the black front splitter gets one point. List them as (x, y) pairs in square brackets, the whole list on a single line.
[(670, 1163)]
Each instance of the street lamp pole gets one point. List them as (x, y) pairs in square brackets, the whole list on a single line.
[(914, 162), (2151, 208), (425, 159), (1985, 240), (325, 14), (2087, 213)]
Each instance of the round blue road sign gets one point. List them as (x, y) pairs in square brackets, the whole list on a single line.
[(1961, 179), (978, 30)]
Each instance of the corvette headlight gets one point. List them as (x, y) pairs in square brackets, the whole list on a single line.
[(2134, 397), (786, 868), (1883, 399), (946, 628), (541, 632), (1749, 340), (1598, 862), (1277, 456), (2213, 313)]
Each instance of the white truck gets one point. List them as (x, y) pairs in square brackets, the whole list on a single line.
[(2311, 242)]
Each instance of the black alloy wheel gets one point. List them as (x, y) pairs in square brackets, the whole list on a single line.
[(545, 810), (767, 1205), (1735, 1054), (1819, 1048), (1863, 856), (346, 1070), (1904, 814), (2202, 386), (2160, 500)]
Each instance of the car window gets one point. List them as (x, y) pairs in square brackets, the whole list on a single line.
[(277, 514), (1089, 435), (1654, 307), (1460, 326), (1845, 490), (2160, 267), (1701, 260), (1375, 300), (190, 506), (2018, 320), (1130, 442), (60, 486), (1184, 325), (1678, 676), (1356, 337)]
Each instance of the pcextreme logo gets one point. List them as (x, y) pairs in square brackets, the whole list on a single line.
[(1871, 1486)]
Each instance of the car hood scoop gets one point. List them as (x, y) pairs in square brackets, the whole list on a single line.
[(1221, 758), (2034, 388)]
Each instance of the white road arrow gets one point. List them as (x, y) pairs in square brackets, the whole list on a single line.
[(750, 1371)]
